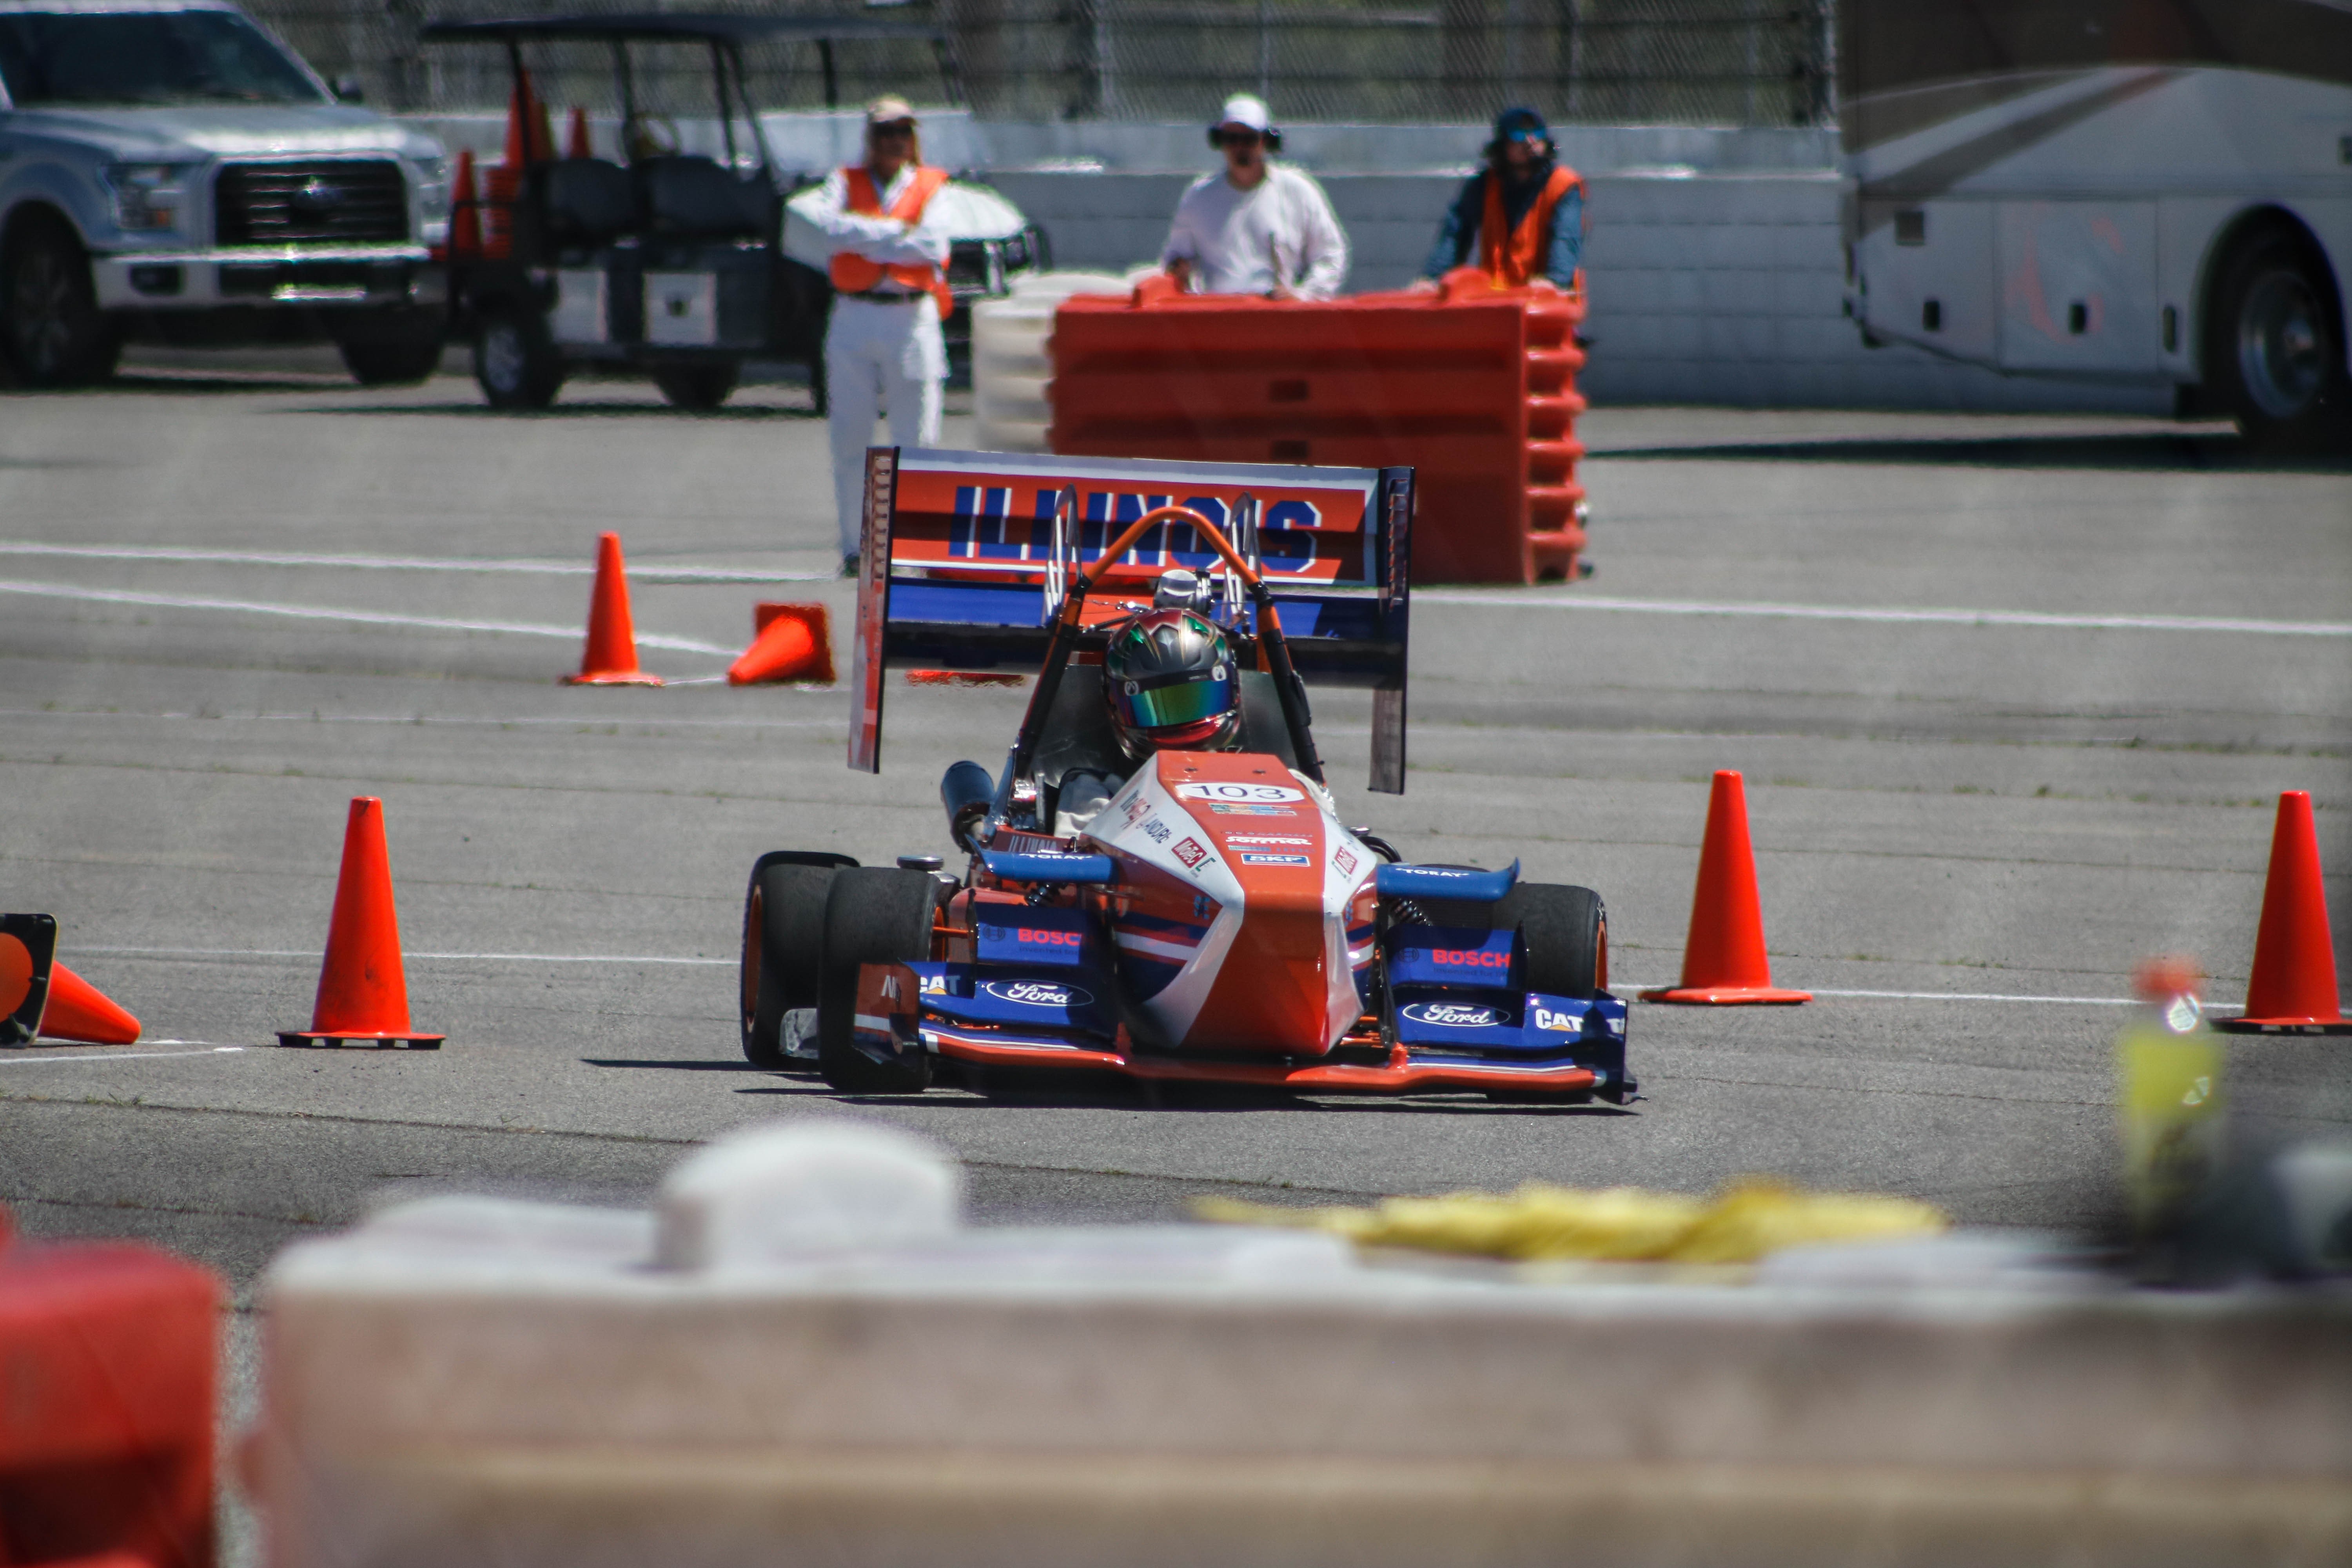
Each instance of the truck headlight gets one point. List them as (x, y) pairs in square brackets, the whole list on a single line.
[(432, 188), (148, 197)]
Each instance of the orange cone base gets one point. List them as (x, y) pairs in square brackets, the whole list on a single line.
[(382, 1042), (1729, 996), (614, 678), (2338, 1025)]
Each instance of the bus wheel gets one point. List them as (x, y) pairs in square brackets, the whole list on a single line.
[(2275, 343)]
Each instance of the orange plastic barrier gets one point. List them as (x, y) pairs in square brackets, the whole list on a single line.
[(1475, 388)]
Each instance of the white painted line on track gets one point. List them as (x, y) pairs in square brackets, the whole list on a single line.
[(414, 720), (465, 565), (1891, 615), (359, 618), (100, 1054)]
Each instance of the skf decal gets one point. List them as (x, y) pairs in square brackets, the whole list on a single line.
[(1450, 1015), (1035, 993), (1262, 794), (1273, 858), (1191, 853)]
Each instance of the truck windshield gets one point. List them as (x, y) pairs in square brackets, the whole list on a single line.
[(55, 57)]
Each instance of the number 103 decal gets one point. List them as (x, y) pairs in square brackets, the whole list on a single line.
[(1238, 791)]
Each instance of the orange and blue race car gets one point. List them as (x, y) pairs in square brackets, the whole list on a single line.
[(1156, 882)]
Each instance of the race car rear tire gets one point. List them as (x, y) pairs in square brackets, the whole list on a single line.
[(873, 914), (784, 944), (1565, 932)]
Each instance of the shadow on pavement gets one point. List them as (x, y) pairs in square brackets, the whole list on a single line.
[(476, 407), (2199, 451)]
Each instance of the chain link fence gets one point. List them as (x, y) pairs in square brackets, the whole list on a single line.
[(1680, 62)]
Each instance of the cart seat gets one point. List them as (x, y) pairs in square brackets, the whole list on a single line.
[(692, 197), (587, 201)]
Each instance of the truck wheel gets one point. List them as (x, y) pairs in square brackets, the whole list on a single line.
[(699, 387), (783, 943), (1566, 931), (2275, 343), (515, 360), (392, 348), (56, 335), (873, 914)]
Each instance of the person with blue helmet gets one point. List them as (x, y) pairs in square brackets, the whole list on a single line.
[(1519, 218)]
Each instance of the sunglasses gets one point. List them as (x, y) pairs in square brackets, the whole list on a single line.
[(1239, 138), (893, 128)]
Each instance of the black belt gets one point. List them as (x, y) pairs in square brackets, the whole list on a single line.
[(880, 297)]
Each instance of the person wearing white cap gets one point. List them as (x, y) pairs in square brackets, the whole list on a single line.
[(1258, 228), (883, 348)]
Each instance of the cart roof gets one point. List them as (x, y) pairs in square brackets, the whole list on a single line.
[(681, 26)]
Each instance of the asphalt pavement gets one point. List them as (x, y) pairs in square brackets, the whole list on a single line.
[(231, 598)]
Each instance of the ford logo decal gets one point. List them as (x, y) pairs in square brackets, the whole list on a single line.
[(1451, 1015), (1035, 993), (316, 198)]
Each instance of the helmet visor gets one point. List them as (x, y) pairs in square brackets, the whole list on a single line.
[(1180, 702)]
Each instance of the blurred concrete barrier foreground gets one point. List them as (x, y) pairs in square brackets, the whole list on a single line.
[(804, 1356)]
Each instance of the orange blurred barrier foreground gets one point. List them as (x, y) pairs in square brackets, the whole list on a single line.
[(362, 992), (2292, 988), (81, 1012), (610, 657), (1472, 386), (790, 643), (106, 1431), (1724, 964)]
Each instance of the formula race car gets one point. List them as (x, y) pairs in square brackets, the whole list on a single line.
[(1157, 883)]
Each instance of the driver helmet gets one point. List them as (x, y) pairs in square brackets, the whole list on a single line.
[(1171, 682)]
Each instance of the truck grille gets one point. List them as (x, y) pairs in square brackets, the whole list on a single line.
[(329, 199)]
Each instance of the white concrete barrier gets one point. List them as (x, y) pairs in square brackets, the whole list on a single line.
[(469, 1382)]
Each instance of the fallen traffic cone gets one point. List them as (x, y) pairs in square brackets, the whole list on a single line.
[(1723, 960), (363, 995), (611, 656), (29, 946), (465, 209), (793, 642), (81, 1012), (2293, 990), (575, 135)]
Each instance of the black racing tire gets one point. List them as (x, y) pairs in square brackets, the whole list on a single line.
[(2275, 343), (783, 947), (515, 360), (56, 334), (698, 388), (393, 348), (1565, 932), (873, 914)]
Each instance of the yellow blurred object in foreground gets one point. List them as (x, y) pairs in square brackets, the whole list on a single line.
[(1541, 1223)]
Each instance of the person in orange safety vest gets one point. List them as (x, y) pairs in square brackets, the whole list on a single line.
[(883, 348), (1522, 216)]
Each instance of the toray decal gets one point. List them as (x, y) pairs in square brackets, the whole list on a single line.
[(1036, 993), (1469, 957), (1269, 838), (1450, 1015), (1191, 853), (1260, 794)]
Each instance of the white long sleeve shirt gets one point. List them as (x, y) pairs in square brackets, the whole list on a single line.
[(1243, 242), (876, 236)]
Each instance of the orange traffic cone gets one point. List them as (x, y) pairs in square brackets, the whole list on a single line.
[(2293, 990), (793, 642), (465, 211), (611, 657), (28, 945), (575, 135), (1723, 960), (362, 993), (80, 1012)]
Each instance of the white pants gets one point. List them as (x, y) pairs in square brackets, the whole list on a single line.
[(879, 357)]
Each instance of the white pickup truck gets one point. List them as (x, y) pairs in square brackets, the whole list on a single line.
[(170, 171)]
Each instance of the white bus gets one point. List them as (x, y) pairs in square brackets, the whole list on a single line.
[(2149, 191)]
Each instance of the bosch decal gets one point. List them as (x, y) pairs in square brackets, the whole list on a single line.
[(1451, 1015), (1469, 958), (1269, 839), (1275, 858), (1052, 938), (1036, 993), (1257, 793), (1191, 853)]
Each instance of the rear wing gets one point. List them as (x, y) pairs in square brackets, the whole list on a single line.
[(967, 556)]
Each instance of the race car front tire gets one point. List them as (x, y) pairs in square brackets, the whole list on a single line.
[(784, 942), (873, 914), (1565, 933)]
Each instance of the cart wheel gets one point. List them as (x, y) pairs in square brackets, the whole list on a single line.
[(784, 935), (1567, 935), (392, 348), (699, 387), (873, 914), (515, 360)]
